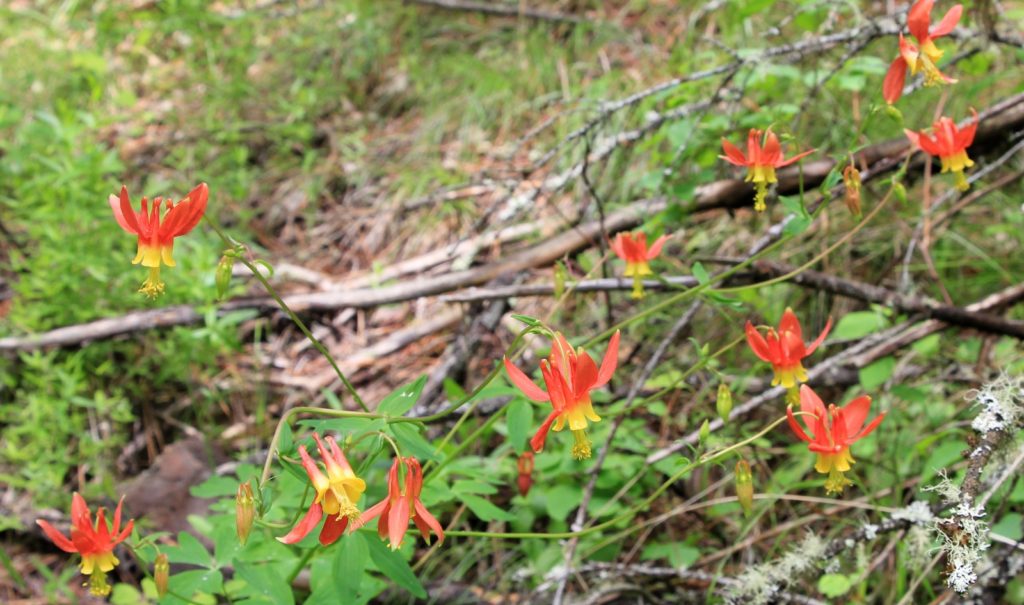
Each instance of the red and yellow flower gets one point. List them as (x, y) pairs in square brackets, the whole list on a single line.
[(569, 375), (632, 248), (761, 161), (337, 492), (785, 348), (94, 542), (949, 143), (400, 506), (156, 235), (923, 56), (830, 433)]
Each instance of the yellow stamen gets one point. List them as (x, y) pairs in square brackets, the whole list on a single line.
[(793, 396), (960, 180), (342, 495), (98, 585), (760, 197), (638, 286), (153, 286), (932, 75), (581, 450)]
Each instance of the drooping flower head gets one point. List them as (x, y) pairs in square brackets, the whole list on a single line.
[(569, 375), (632, 248), (337, 492), (949, 144), (94, 542), (761, 162), (525, 467), (785, 348), (156, 235), (400, 505), (924, 55), (830, 433)]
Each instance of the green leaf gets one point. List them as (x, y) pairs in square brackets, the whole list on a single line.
[(392, 565), (465, 486), (485, 510), (286, 443), (834, 585), (215, 487), (1009, 526), (189, 550), (858, 325), (350, 561), (453, 391), (875, 375), (533, 322), (411, 441), (700, 273), (562, 499), (679, 554), (403, 398), (264, 584), (188, 583), (748, 8), (519, 419)]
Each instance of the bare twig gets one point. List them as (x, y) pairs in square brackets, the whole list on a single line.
[(499, 10)]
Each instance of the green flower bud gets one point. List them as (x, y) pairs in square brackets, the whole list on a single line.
[(745, 486), (724, 402), (222, 276), (161, 574)]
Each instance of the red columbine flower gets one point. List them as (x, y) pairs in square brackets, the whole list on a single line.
[(761, 162), (950, 144), (633, 249), (832, 431), (336, 494), (156, 239), (924, 56), (94, 542), (785, 348), (396, 509), (569, 376)]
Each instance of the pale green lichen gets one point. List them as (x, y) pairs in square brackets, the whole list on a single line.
[(759, 584)]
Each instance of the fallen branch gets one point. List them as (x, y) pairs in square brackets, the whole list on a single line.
[(499, 10), (761, 270)]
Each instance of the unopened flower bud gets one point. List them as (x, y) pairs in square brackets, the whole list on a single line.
[(900, 192), (851, 178), (161, 574), (245, 511), (724, 402), (744, 486), (525, 479), (894, 113), (560, 275), (222, 276), (705, 431)]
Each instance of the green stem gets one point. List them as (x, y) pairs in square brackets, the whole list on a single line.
[(306, 556), (291, 315)]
